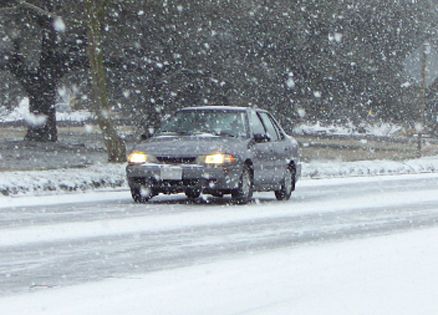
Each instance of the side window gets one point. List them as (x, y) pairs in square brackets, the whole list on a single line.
[(277, 127), (271, 131), (256, 124)]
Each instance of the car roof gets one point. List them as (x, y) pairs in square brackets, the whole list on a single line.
[(216, 107)]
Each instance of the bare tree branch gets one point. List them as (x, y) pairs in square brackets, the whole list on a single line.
[(7, 10), (26, 5), (34, 8)]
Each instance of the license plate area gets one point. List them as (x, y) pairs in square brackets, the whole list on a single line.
[(171, 173)]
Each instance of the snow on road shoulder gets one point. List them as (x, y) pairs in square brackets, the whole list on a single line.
[(324, 169), (392, 274), (349, 129), (62, 180), (113, 176)]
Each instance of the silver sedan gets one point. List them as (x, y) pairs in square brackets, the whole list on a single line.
[(216, 150)]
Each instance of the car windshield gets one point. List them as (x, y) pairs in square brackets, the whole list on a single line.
[(206, 122)]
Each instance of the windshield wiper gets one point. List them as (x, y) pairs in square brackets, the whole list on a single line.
[(206, 133), (197, 133), (167, 132)]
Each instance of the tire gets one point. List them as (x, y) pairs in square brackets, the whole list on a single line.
[(286, 187), (243, 194), (193, 193), (218, 194), (142, 193)]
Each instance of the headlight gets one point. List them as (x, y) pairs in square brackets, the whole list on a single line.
[(137, 158), (218, 159)]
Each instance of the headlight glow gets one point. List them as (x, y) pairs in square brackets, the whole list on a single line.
[(219, 158), (137, 158)]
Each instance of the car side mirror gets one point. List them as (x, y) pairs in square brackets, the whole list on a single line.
[(147, 134), (144, 136), (260, 138)]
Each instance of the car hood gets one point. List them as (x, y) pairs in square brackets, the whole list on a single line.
[(190, 146)]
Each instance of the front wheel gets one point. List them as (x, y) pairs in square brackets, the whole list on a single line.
[(243, 194), (142, 193), (286, 187)]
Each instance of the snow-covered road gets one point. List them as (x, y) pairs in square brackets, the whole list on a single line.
[(57, 241)]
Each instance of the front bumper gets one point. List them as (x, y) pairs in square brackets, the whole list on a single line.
[(194, 176)]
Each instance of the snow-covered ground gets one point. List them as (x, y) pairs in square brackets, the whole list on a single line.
[(363, 245), (351, 241), (113, 176)]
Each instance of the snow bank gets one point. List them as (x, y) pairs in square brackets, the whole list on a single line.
[(324, 169), (113, 176), (380, 129), (62, 180)]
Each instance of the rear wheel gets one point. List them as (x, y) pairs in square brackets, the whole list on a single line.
[(142, 193), (218, 194), (286, 187), (243, 194)]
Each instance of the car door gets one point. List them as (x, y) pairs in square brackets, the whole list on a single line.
[(285, 148), (261, 153), (275, 150)]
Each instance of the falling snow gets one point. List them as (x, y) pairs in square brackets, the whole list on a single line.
[(355, 88)]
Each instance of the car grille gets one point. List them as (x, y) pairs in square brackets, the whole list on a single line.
[(176, 160)]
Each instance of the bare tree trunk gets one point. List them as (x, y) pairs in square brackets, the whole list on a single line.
[(115, 146), (42, 89), (40, 82), (41, 103)]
